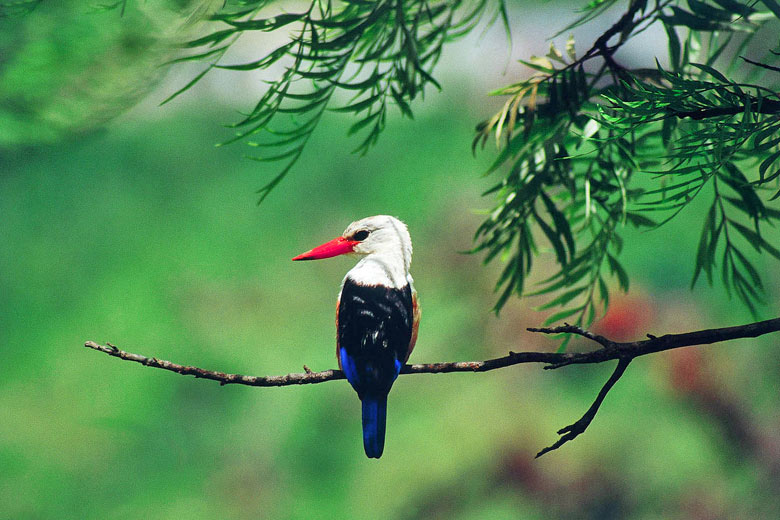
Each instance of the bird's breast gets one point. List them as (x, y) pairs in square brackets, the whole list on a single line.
[(387, 271)]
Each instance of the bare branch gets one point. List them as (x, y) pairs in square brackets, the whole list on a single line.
[(568, 433), (624, 352), (573, 329), (222, 377)]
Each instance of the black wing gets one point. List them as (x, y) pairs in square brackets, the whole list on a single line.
[(374, 333)]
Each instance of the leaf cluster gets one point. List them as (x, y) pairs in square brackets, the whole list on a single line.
[(379, 53), (589, 146), (728, 148)]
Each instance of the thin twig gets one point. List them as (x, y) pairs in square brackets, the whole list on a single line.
[(762, 65), (625, 352), (222, 377), (568, 433), (767, 106)]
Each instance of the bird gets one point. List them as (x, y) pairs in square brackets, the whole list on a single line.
[(377, 315)]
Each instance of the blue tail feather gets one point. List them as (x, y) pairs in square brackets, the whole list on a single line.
[(374, 416)]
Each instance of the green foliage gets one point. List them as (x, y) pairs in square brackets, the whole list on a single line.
[(378, 53), (586, 145), (66, 67), (590, 146), (731, 132)]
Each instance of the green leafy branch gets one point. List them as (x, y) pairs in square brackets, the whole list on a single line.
[(379, 53), (554, 161), (584, 139), (731, 130)]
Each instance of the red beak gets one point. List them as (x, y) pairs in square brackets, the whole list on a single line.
[(337, 246)]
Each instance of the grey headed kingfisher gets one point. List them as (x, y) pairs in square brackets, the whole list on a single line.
[(377, 315)]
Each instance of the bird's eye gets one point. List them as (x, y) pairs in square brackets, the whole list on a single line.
[(360, 235)]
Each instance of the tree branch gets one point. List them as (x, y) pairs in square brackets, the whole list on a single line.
[(573, 430), (624, 352), (762, 65), (306, 378), (767, 106)]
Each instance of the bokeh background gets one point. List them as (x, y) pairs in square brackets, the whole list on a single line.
[(121, 222)]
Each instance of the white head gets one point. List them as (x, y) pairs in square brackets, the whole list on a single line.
[(383, 242), (381, 235)]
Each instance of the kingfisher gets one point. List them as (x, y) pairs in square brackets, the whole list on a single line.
[(377, 315)]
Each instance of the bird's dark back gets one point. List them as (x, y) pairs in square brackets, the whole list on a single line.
[(374, 330)]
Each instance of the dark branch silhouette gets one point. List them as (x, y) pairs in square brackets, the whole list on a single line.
[(766, 106), (624, 352), (571, 431)]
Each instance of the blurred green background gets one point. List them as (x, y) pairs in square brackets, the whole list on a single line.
[(121, 222)]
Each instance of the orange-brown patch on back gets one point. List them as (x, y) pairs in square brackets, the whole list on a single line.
[(416, 312)]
